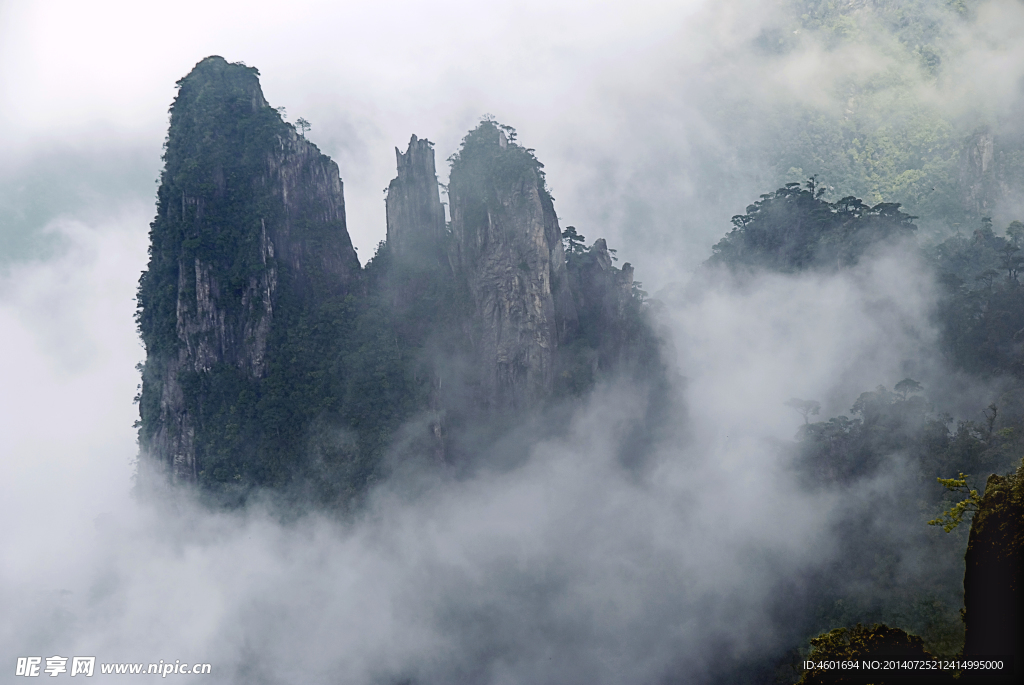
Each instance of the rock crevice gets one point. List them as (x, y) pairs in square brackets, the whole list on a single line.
[(261, 217)]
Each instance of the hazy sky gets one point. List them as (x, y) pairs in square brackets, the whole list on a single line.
[(95, 81), (648, 115), (620, 101)]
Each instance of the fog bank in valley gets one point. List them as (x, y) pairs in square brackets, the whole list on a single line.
[(575, 566)]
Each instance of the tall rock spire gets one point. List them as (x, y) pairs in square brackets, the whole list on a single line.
[(507, 245), (416, 224), (249, 234)]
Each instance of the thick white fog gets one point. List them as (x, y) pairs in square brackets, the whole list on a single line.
[(570, 568)]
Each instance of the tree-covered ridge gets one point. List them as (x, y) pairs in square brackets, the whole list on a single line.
[(981, 309), (896, 430), (982, 305), (899, 427), (886, 132), (885, 149), (795, 228), (919, 26), (258, 342)]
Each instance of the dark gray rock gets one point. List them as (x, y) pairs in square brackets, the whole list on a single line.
[(507, 245), (249, 212), (415, 215)]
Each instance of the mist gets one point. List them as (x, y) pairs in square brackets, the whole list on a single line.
[(569, 568), (656, 122)]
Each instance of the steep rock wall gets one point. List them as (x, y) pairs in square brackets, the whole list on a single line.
[(603, 296), (507, 245), (415, 215), (994, 577), (250, 215)]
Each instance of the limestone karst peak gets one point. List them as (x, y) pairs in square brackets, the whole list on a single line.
[(417, 159), (415, 215), (250, 232), (266, 339)]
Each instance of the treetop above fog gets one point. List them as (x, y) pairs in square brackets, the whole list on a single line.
[(795, 228)]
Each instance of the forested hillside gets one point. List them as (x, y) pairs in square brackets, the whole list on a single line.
[(979, 317), (893, 130)]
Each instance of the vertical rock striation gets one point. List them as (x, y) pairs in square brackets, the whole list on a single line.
[(507, 245), (415, 215), (274, 360), (422, 291), (978, 185), (250, 219), (602, 292)]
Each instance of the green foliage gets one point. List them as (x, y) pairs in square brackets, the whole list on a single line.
[(349, 368), (890, 150), (342, 379), (918, 26), (338, 380), (573, 243), (981, 311), (952, 517), (980, 316), (1003, 499), (900, 429), (209, 206), (335, 370), (483, 163), (843, 449), (613, 330), (906, 387), (861, 644), (794, 228), (869, 131)]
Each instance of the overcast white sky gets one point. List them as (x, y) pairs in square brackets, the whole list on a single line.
[(642, 111), (95, 79)]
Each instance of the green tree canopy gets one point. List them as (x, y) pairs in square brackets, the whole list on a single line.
[(795, 228)]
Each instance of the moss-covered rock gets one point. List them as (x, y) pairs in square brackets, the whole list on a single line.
[(993, 599)]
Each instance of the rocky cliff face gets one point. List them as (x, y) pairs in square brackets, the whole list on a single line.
[(500, 319), (991, 174), (275, 360), (250, 216), (415, 215), (420, 285), (507, 245), (603, 294), (978, 183), (994, 577)]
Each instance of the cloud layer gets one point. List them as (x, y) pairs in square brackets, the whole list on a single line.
[(572, 567)]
